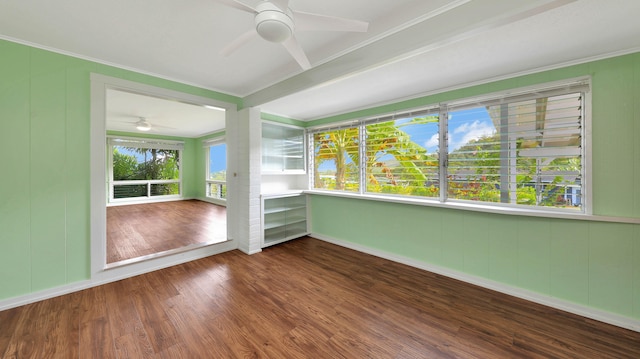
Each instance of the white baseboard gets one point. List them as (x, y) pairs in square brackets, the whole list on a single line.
[(588, 312), (118, 273)]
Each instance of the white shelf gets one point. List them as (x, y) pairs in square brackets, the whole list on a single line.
[(283, 209), (284, 217)]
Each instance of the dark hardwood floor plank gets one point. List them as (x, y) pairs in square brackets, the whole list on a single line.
[(301, 299), (128, 346), (139, 230), (9, 319), (95, 340), (160, 331)]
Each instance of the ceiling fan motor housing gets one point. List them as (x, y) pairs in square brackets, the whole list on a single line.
[(272, 23)]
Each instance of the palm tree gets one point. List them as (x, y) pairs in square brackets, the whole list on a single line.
[(392, 158), (337, 145)]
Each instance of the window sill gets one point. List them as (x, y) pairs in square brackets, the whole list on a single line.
[(476, 207)]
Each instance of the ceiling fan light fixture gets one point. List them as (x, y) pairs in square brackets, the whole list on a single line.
[(143, 125), (272, 24)]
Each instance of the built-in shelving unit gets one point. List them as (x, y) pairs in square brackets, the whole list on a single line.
[(284, 217), (282, 148)]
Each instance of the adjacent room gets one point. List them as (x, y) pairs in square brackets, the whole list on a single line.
[(151, 177), (320, 179)]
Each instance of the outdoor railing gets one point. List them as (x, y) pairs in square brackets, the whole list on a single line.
[(217, 189), (144, 188)]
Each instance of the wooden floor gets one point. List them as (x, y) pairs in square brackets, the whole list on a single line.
[(142, 229), (301, 299)]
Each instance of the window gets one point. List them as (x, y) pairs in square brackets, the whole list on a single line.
[(524, 148), (216, 174), (337, 159), (143, 168), (525, 151), (402, 155)]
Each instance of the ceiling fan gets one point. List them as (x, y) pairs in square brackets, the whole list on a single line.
[(143, 124), (276, 22)]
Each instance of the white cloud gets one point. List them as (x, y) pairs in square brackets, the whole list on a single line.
[(433, 141), (469, 131)]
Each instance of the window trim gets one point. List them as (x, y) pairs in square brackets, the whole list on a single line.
[(579, 84), (475, 207)]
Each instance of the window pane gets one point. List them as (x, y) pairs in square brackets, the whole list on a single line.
[(130, 191), (145, 164), (164, 189), (402, 157), (217, 190), (525, 152), (336, 160), (216, 186), (218, 162)]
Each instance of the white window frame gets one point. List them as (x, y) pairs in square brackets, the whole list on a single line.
[(149, 143), (207, 144), (582, 84)]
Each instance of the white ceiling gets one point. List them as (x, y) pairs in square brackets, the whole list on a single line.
[(413, 47), (165, 117)]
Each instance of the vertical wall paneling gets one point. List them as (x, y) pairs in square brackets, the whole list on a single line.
[(534, 248), (453, 242), (569, 261), (636, 272), (189, 166), (477, 230), (503, 251), (48, 165), (611, 265), (635, 164), (15, 236), (431, 236), (77, 170), (408, 233), (613, 137)]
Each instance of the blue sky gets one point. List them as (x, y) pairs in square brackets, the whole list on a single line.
[(464, 126), (218, 158), (126, 151)]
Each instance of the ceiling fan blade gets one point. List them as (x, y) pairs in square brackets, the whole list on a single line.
[(237, 5), (239, 42), (315, 22), (281, 4), (293, 46)]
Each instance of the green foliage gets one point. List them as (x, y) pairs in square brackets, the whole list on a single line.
[(396, 164), (218, 176), (409, 173), (338, 146), (124, 166), (158, 164)]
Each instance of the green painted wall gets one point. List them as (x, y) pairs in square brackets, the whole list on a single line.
[(596, 264), (44, 172)]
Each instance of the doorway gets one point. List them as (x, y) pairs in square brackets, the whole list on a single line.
[(162, 185)]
